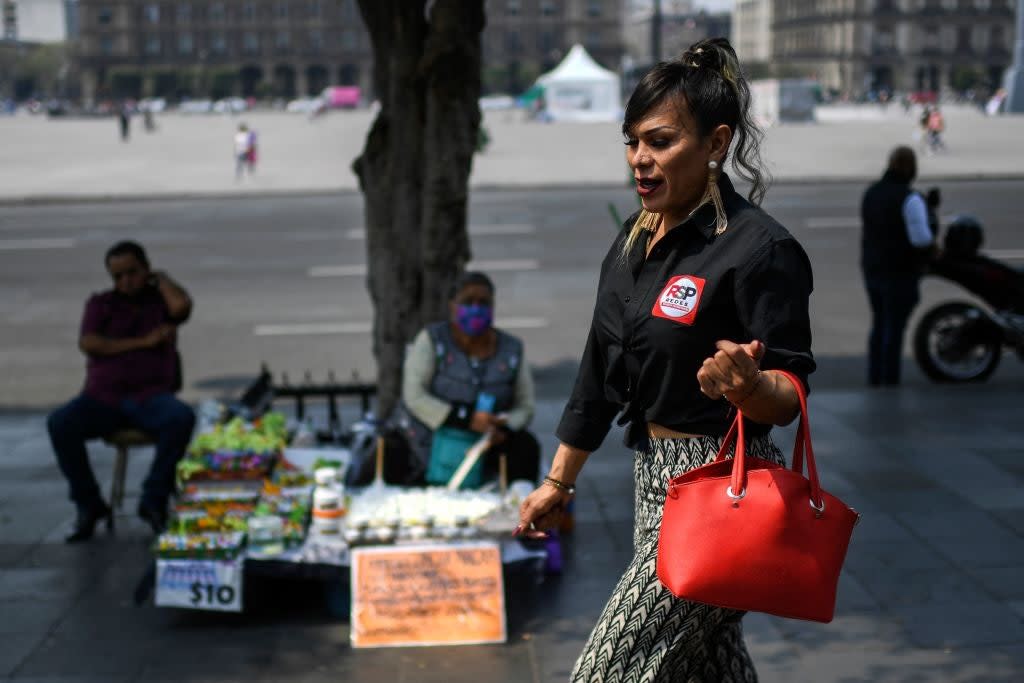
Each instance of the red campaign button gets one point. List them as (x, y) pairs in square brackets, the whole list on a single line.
[(679, 299)]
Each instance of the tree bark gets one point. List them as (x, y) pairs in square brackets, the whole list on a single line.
[(414, 169)]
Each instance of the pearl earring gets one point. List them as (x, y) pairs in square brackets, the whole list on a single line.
[(713, 164)]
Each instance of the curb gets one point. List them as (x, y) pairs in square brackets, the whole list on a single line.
[(40, 200)]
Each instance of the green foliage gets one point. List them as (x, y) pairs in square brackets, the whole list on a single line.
[(125, 82), (222, 83), (965, 77)]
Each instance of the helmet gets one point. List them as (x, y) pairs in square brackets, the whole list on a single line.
[(964, 236)]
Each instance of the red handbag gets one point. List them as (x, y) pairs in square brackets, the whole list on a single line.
[(749, 534)]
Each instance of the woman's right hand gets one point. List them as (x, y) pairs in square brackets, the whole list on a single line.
[(541, 510)]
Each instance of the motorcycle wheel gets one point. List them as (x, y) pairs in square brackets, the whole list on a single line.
[(943, 349)]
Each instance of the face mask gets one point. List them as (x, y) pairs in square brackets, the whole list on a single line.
[(474, 319)]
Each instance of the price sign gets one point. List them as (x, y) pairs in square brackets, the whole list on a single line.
[(200, 584), (427, 595)]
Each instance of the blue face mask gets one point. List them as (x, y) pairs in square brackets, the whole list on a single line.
[(474, 319)]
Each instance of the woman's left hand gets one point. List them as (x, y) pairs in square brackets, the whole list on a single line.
[(732, 371)]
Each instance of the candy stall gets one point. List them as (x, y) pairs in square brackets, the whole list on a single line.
[(251, 497)]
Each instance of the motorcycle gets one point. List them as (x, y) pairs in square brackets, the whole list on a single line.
[(960, 341)]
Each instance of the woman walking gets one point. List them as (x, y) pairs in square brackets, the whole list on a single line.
[(700, 298)]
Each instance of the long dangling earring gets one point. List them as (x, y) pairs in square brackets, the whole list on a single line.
[(713, 195), (648, 220)]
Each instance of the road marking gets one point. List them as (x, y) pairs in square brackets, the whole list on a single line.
[(365, 327), (474, 231), (359, 269), (22, 245), (302, 329), (338, 271), (1010, 254), (831, 223)]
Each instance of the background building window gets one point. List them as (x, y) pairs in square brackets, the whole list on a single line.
[(281, 9), (595, 8), (548, 8), (106, 45), (251, 42), (513, 7), (217, 13), (982, 38), (348, 39), (104, 15), (316, 41), (185, 44), (10, 21), (282, 41), (218, 43), (348, 9), (315, 9), (249, 12), (512, 42), (152, 13), (152, 45), (184, 12)]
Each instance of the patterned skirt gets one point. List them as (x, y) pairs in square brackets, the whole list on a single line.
[(645, 634)]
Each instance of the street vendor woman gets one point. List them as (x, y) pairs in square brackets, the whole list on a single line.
[(463, 376), (128, 334)]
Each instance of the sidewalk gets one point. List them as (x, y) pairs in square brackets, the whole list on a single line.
[(931, 590), (48, 160)]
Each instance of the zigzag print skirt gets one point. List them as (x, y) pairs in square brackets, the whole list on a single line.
[(645, 634)]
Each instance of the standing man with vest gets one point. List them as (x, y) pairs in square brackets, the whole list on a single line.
[(895, 233)]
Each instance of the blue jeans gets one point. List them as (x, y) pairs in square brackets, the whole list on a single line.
[(892, 299), (164, 417)]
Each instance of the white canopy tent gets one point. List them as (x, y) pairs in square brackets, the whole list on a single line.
[(580, 89)]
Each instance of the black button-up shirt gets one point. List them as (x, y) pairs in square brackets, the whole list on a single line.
[(657, 318)]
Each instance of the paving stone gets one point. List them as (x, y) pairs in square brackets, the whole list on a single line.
[(960, 625), (996, 550), (921, 586)]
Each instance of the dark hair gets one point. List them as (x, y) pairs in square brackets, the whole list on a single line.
[(127, 247), (707, 77), (472, 277), (903, 163)]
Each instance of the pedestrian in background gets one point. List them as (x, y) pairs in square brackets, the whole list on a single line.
[(701, 298), (935, 126), (124, 119), (244, 151), (895, 239)]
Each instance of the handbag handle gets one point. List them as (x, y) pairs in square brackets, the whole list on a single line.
[(738, 482)]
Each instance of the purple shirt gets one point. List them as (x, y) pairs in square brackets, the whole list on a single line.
[(137, 374)]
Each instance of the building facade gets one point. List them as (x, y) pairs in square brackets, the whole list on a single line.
[(863, 46), (526, 38), (38, 21), (677, 31), (292, 48), (221, 47), (752, 30)]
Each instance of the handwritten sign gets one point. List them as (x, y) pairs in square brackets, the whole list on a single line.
[(200, 584), (427, 595)]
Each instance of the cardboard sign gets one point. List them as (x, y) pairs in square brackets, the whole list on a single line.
[(200, 584), (427, 595)]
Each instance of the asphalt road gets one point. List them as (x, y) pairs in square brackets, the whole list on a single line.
[(281, 280)]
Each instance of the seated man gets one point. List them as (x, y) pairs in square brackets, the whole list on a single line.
[(128, 335), (464, 374)]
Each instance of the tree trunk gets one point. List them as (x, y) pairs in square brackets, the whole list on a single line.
[(414, 169)]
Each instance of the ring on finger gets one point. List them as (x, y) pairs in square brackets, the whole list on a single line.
[(533, 527)]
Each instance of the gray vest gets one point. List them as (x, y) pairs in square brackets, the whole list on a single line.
[(460, 379)]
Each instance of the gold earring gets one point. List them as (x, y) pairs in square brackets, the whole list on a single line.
[(714, 196)]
